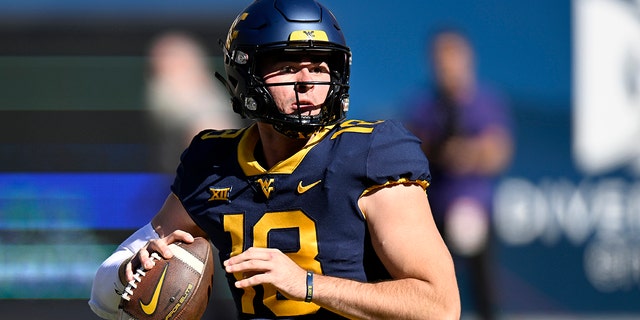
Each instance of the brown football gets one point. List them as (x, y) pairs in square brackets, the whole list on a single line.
[(176, 288)]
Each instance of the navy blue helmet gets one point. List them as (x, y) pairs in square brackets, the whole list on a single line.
[(275, 28)]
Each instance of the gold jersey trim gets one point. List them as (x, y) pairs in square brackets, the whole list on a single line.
[(251, 167), (423, 183)]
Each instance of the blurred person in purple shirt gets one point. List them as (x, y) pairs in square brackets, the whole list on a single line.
[(465, 128)]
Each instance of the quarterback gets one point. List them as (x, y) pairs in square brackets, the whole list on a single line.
[(314, 216)]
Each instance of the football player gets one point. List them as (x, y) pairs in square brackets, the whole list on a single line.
[(313, 215)]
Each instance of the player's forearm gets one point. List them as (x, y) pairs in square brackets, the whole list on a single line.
[(397, 299), (108, 282), (107, 285)]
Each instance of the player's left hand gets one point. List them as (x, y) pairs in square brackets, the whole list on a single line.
[(269, 266)]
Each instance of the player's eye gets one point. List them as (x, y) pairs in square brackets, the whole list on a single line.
[(288, 69), (318, 69)]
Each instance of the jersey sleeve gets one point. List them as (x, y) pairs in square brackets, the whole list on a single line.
[(188, 160), (395, 157)]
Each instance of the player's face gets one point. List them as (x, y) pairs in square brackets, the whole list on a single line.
[(309, 96)]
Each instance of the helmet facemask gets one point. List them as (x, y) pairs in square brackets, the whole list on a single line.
[(258, 102)]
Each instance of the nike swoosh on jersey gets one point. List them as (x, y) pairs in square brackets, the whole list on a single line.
[(150, 307), (302, 189)]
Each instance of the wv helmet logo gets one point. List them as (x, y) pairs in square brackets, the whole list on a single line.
[(306, 35), (309, 34)]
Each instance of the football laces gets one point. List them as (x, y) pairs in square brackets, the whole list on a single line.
[(137, 277)]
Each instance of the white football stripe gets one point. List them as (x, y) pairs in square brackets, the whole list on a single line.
[(187, 257)]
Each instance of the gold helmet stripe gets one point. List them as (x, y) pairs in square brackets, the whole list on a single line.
[(306, 35)]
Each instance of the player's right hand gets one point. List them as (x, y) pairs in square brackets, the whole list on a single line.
[(161, 246)]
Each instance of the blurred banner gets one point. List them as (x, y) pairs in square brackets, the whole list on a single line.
[(56, 228), (606, 106), (568, 216)]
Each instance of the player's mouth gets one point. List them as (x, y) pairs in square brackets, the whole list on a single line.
[(305, 108)]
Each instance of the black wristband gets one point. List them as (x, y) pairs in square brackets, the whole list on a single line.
[(309, 287)]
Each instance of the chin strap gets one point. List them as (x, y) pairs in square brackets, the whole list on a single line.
[(296, 133)]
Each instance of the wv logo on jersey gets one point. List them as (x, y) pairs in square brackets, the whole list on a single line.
[(266, 185)]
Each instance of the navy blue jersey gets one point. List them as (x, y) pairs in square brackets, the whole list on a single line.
[(306, 206)]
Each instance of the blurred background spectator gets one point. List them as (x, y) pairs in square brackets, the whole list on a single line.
[(465, 128), (183, 96)]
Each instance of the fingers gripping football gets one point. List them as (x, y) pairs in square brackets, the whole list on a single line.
[(143, 258), (178, 287)]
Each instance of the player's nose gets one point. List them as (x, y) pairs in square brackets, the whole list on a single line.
[(304, 80)]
